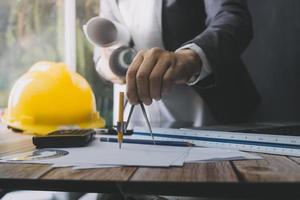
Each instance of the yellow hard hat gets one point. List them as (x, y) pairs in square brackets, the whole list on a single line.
[(50, 97)]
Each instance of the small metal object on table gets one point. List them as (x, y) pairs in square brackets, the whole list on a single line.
[(145, 116)]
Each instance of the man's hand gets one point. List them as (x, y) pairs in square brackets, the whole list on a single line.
[(154, 72)]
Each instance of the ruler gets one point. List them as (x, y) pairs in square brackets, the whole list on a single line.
[(263, 143)]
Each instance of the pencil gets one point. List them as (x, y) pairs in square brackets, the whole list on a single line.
[(149, 142), (120, 120)]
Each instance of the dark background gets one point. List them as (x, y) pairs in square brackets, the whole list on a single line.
[(273, 58)]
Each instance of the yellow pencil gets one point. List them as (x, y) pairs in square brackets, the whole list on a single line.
[(120, 120)]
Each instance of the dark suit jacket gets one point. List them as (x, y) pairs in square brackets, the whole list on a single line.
[(223, 29)]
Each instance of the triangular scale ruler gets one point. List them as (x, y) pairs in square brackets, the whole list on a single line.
[(263, 143)]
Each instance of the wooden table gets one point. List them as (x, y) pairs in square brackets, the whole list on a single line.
[(273, 176)]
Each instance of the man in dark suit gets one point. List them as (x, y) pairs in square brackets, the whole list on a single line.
[(195, 43)]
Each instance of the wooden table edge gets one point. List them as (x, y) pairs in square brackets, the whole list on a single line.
[(203, 189)]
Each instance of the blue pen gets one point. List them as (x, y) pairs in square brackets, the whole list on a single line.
[(148, 142)]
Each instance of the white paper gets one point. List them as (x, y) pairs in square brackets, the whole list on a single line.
[(104, 153), (95, 166), (214, 154), (59, 165), (180, 160)]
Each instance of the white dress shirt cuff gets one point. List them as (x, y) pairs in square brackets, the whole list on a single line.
[(205, 68)]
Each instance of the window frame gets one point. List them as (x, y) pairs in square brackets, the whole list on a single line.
[(70, 33)]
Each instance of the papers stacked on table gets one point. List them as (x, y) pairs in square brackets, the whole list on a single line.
[(105, 154)]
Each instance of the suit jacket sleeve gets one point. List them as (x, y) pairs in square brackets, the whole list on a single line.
[(228, 91)]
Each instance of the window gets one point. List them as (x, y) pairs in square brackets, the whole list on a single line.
[(30, 30), (34, 30), (86, 9)]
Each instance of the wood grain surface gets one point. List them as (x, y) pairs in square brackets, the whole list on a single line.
[(108, 174), (269, 169), (296, 159), (14, 142), (11, 143), (204, 172), (22, 171)]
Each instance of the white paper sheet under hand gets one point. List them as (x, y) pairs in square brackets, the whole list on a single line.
[(194, 155), (102, 153)]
